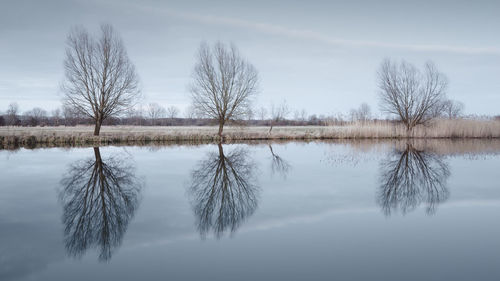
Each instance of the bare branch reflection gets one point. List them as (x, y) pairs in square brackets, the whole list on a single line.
[(278, 164), (223, 191), (99, 198), (412, 177)]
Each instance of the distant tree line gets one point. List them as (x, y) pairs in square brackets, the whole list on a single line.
[(154, 114)]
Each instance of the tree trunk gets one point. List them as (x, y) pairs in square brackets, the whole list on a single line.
[(97, 127), (97, 154), (221, 127), (409, 130), (221, 152)]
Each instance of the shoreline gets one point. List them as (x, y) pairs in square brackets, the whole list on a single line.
[(437, 146), (83, 135)]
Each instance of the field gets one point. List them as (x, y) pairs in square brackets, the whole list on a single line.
[(26, 136)]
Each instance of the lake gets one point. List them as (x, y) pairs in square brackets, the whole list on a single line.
[(352, 210)]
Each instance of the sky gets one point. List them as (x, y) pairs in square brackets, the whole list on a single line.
[(320, 56)]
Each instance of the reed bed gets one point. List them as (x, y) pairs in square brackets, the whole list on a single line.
[(82, 135), (459, 128)]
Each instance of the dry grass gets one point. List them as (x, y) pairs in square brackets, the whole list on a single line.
[(461, 128), (81, 135)]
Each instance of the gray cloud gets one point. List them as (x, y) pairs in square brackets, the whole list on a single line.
[(318, 55), (323, 38)]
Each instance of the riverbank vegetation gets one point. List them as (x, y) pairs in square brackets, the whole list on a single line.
[(437, 129)]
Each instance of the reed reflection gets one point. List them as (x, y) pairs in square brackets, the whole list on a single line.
[(99, 198), (411, 177), (223, 191)]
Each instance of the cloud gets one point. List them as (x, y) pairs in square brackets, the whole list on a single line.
[(304, 34)]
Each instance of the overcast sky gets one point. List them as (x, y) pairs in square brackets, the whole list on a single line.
[(321, 56)]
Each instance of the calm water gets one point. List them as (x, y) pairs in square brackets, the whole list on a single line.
[(294, 211)]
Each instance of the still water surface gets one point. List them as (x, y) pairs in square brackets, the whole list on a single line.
[(421, 210)]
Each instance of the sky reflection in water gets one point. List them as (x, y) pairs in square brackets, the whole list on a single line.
[(294, 210)]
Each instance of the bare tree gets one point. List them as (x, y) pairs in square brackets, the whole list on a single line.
[(56, 116), (223, 84), (303, 115), (313, 118), (136, 115), (278, 113), (39, 112), (453, 109), (12, 114), (353, 115), (408, 93), (251, 114), (36, 116), (190, 113), (362, 113), (100, 81), (172, 112), (262, 113), (156, 111), (300, 115), (71, 115)]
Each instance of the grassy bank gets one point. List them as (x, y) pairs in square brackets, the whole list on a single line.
[(82, 135)]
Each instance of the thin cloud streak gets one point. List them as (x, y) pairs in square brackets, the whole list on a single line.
[(323, 38)]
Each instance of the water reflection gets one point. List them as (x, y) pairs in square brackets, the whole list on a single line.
[(99, 198), (410, 177), (224, 191), (278, 164)]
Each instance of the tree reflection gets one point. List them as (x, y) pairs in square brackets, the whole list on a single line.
[(412, 177), (278, 164), (223, 191), (99, 198)]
